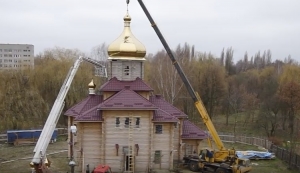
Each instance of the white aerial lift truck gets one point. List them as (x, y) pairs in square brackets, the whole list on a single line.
[(39, 162)]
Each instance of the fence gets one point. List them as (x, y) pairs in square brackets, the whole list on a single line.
[(3, 138), (291, 158), (262, 142)]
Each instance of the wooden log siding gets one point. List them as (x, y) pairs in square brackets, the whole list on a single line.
[(190, 145), (161, 142), (172, 128), (91, 143), (176, 143), (116, 69), (151, 158), (144, 94), (180, 156), (78, 152), (135, 69), (120, 135), (107, 94)]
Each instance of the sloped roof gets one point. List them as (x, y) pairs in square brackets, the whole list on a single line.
[(116, 85), (163, 116), (86, 104), (90, 115), (127, 99), (90, 109), (160, 102), (191, 131)]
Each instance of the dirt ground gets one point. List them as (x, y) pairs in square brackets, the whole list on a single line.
[(17, 159)]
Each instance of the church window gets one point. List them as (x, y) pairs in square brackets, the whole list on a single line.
[(118, 122), (126, 70), (157, 157), (127, 122), (137, 122), (158, 129)]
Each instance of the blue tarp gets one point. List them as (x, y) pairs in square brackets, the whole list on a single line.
[(255, 154)]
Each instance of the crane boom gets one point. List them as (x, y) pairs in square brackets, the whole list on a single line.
[(197, 101), (49, 127)]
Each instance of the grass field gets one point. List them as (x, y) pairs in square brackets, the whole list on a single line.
[(17, 159)]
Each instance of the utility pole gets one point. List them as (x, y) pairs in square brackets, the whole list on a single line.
[(72, 163)]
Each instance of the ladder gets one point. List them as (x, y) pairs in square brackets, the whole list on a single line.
[(130, 154)]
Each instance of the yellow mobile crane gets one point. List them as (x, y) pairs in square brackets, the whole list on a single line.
[(221, 161)]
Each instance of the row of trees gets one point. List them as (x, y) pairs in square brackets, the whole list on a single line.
[(26, 96), (266, 91)]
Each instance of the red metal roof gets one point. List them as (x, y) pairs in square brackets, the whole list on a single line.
[(90, 108), (90, 115), (163, 116), (86, 104), (116, 85), (127, 99), (191, 131), (160, 102)]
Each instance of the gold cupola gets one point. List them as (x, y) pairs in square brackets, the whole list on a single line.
[(126, 46), (92, 87)]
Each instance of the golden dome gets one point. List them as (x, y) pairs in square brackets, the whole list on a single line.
[(126, 46), (92, 84)]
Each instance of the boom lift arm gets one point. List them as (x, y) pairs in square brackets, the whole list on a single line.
[(39, 161)]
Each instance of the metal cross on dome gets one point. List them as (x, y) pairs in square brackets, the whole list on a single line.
[(127, 2)]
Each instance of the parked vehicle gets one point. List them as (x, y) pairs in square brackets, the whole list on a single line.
[(102, 169), (218, 161)]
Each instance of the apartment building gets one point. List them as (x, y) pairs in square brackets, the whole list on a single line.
[(16, 56)]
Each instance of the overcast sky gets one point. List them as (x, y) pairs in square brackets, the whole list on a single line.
[(210, 25)]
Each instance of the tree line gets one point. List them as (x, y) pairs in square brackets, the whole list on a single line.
[(27, 95), (266, 91)]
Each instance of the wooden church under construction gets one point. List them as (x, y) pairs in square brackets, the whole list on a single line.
[(123, 124)]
